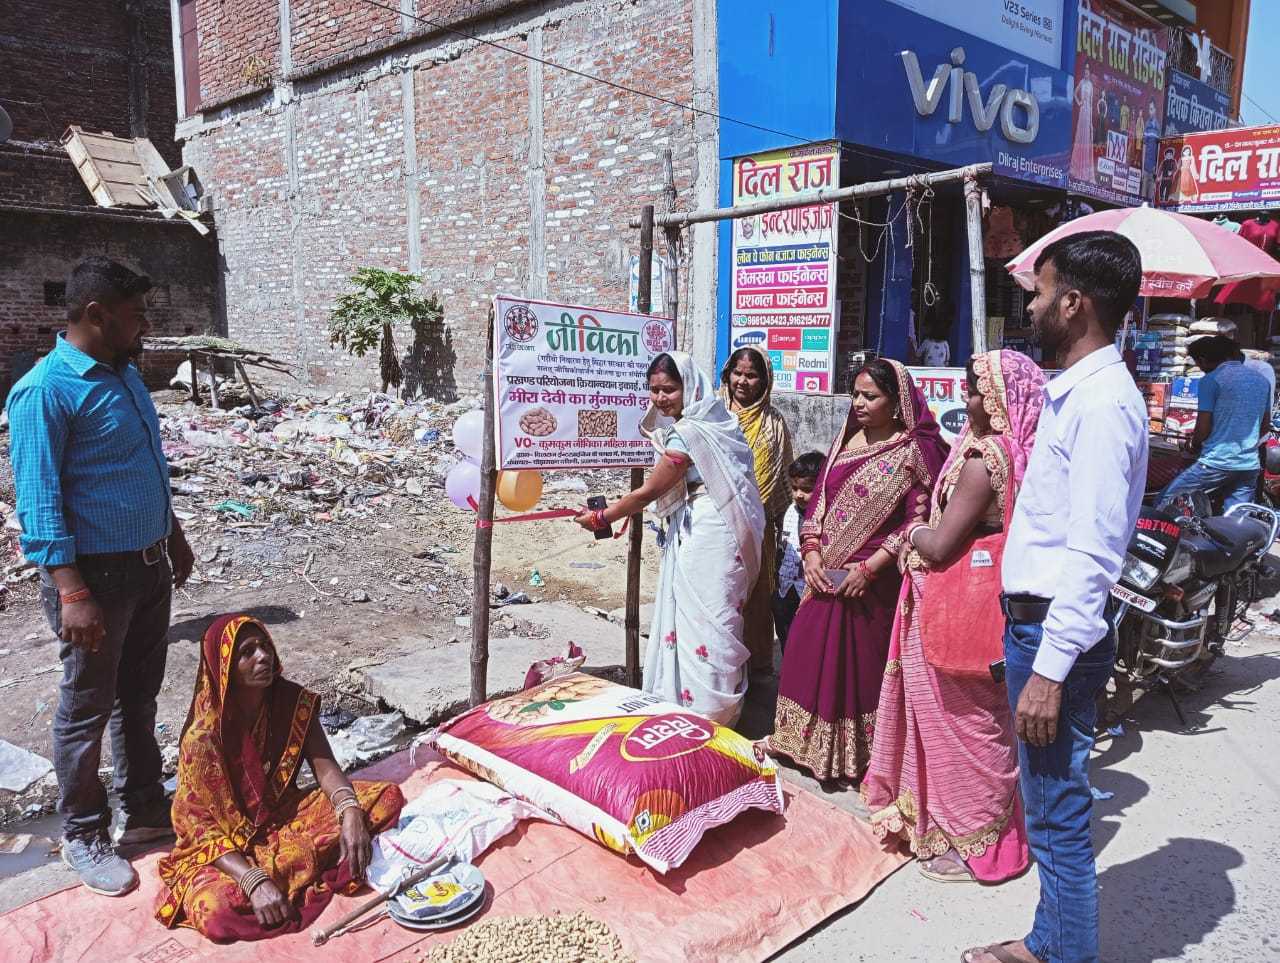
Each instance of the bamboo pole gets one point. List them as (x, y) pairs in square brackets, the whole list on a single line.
[(635, 538), (827, 195), (671, 233), (195, 379), (482, 553), (977, 266)]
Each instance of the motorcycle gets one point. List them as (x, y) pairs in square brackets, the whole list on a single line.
[(1187, 576)]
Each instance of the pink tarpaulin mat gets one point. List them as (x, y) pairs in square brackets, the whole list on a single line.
[(750, 888)]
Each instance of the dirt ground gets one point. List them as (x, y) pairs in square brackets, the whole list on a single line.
[(342, 583)]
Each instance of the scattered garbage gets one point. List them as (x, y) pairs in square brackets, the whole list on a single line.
[(20, 768), (334, 718), (511, 598), (239, 508), (367, 739), (536, 579)]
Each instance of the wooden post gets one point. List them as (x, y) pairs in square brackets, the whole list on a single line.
[(482, 554), (635, 537), (671, 262), (248, 385), (977, 266), (215, 401), (195, 378)]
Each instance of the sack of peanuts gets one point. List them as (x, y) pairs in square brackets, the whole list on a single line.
[(631, 771)]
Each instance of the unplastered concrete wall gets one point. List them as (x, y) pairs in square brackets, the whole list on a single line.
[(386, 142)]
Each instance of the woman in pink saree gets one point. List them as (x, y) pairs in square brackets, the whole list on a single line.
[(879, 470), (944, 768)]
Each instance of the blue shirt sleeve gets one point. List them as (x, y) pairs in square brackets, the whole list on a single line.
[(1208, 392), (39, 425)]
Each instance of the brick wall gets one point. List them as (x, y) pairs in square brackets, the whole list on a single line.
[(37, 250), (67, 62), (239, 46), (349, 203), (323, 28)]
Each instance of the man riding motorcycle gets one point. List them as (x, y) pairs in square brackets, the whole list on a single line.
[(1234, 411)]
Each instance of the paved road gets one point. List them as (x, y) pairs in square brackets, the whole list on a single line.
[(1189, 846)]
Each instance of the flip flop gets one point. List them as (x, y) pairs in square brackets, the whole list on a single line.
[(962, 876), (995, 949)]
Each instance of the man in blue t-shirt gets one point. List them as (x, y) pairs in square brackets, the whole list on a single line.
[(1235, 408)]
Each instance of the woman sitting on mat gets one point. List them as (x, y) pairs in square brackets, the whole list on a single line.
[(704, 489), (256, 855), (944, 769)]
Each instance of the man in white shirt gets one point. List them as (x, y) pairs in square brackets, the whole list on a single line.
[(1076, 511)]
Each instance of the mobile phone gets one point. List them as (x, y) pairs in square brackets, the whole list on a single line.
[(596, 503), (997, 670)]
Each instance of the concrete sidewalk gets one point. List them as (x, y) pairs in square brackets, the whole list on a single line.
[(1188, 847)]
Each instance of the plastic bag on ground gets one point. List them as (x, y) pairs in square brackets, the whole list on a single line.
[(466, 818), (367, 738)]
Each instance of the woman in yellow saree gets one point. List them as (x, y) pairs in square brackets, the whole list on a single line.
[(746, 388), (255, 855)]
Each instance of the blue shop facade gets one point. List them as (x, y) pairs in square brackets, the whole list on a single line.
[(841, 92)]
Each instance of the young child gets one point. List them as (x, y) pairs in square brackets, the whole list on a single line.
[(803, 474), (935, 350)]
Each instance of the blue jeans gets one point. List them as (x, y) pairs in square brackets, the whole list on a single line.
[(1234, 486), (1057, 800)]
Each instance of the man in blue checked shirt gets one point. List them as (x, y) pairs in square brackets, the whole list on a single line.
[(93, 502)]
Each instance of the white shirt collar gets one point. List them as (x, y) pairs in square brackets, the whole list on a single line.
[(1090, 364)]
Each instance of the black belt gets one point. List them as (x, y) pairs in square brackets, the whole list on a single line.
[(151, 555), (1025, 608)]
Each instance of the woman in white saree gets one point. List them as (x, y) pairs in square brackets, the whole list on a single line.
[(703, 489)]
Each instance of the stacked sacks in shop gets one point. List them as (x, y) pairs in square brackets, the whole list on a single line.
[(1174, 331)]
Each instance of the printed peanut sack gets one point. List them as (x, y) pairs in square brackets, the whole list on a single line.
[(624, 767)]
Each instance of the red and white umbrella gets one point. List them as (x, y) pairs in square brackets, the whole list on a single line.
[(1182, 256)]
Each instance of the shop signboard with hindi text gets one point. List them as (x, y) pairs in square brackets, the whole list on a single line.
[(1193, 106), (569, 384), (947, 391), (1119, 102), (1220, 170), (784, 266)]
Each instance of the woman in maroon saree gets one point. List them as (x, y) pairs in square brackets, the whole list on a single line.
[(873, 486)]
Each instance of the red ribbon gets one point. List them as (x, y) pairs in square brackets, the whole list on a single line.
[(482, 523)]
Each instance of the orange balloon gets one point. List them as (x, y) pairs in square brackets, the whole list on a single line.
[(519, 490)]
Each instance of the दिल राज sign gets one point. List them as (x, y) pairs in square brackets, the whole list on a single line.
[(947, 392), (784, 266), (1119, 102), (570, 384), (1220, 170)]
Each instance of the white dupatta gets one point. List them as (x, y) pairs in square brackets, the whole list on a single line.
[(721, 454)]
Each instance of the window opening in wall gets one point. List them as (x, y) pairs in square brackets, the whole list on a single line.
[(189, 44), (55, 294)]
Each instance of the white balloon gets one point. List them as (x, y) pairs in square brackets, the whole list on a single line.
[(468, 434), (463, 483)]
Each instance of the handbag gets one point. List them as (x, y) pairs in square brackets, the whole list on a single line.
[(961, 622)]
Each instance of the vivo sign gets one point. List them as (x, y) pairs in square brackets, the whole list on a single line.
[(1017, 110)]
